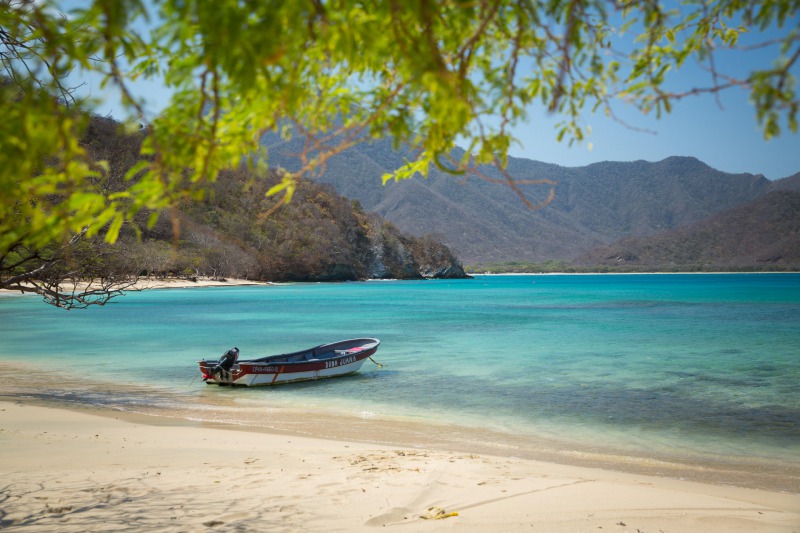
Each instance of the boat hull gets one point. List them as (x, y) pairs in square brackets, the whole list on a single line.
[(326, 361)]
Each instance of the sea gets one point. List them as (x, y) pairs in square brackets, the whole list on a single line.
[(694, 376)]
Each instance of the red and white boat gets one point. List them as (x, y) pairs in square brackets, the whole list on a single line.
[(324, 361)]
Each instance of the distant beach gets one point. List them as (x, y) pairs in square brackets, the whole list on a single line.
[(145, 283), (183, 283)]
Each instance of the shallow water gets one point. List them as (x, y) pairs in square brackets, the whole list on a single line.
[(693, 368)]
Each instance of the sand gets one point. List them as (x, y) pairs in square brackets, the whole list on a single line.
[(180, 283), (156, 283), (66, 470)]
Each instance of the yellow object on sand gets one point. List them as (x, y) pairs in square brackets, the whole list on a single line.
[(437, 513)]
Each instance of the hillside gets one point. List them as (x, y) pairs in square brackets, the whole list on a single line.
[(760, 235), (484, 222), (792, 183), (319, 236)]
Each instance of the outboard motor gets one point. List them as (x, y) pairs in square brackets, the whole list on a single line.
[(222, 370), (227, 360)]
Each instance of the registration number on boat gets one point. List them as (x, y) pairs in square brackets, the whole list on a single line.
[(265, 369), (340, 362)]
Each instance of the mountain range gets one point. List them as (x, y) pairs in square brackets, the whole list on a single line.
[(594, 206)]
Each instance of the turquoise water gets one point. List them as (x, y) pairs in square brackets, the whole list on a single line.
[(688, 364)]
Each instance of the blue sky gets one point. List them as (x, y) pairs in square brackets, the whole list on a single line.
[(721, 131), (727, 138)]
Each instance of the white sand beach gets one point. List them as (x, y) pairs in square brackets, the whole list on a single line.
[(145, 283), (66, 470), (182, 283)]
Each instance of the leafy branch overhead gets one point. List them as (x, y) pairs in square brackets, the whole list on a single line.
[(427, 74)]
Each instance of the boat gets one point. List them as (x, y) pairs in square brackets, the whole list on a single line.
[(324, 361)]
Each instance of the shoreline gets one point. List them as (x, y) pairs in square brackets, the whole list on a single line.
[(181, 283), (157, 284), (73, 470), (44, 387), (725, 272)]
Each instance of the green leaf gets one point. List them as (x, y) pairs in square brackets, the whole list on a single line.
[(113, 231)]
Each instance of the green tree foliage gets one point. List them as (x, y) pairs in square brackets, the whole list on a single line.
[(319, 236), (336, 73)]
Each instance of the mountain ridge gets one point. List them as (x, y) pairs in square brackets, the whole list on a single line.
[(761, 235), (594, 205)]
